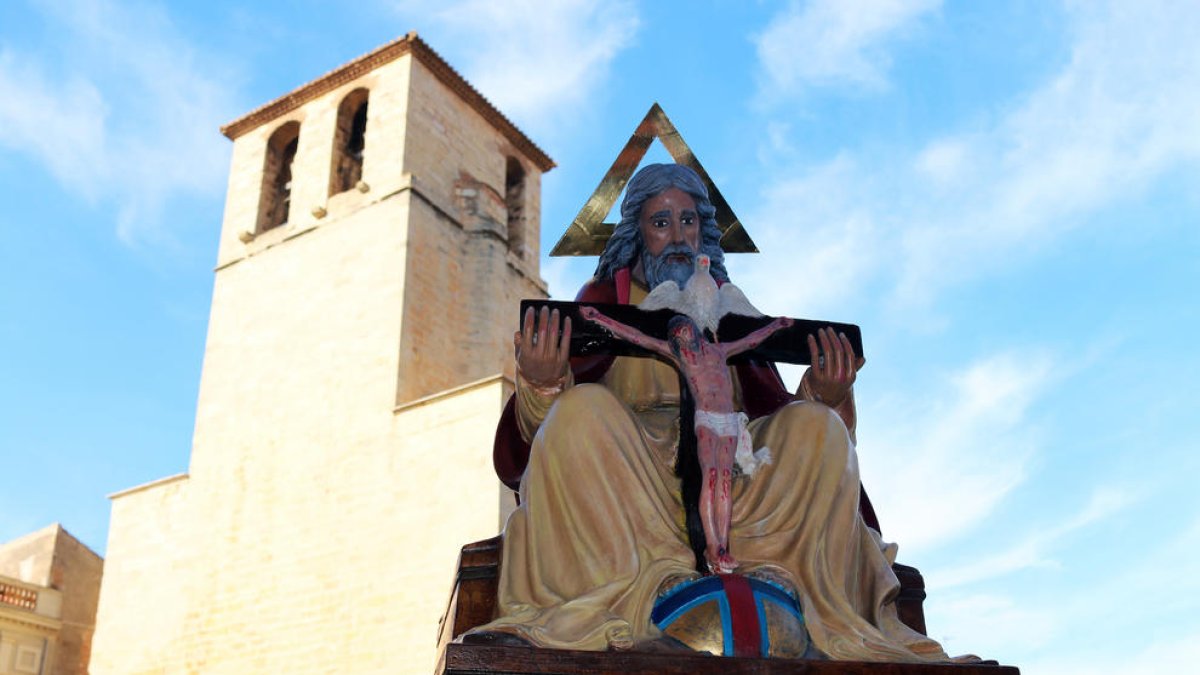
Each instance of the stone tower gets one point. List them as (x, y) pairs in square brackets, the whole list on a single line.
[(380, 228)]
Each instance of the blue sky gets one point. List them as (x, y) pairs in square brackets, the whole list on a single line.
[(1003, 195)]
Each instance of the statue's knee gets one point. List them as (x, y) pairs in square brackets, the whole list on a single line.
[(809, 431), (583, 399), (809, 414), (577, 405)]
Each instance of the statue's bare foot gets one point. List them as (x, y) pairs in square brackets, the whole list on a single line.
[(719, 561)]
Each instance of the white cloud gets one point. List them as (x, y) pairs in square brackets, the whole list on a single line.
[(1115, 118), (1034, 550), (943, 161), (61, 124), (541, 63), (833, 42), (1166, 581), (126, 111), (1041, 630), (941, 464), (1164, 655), (831, 245), (1119, 115), (989, 625), (1084, 571)]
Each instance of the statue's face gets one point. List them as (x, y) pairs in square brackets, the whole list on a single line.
[(670, 217), (683, 335), (670, 227)]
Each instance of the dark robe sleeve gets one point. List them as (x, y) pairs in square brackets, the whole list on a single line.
[(510, 452)]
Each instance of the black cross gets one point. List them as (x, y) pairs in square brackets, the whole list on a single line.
[(788, 345)]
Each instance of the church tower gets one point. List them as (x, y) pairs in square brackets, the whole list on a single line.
[(381, 226)]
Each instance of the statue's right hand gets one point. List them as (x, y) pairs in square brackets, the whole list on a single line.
[(543, 356)]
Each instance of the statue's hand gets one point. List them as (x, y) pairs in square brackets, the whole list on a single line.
[(831, 376), (542, 356)]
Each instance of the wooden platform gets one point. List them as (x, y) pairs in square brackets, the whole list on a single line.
[(463, 659)]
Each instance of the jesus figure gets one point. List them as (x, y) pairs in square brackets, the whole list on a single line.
[(719, 428)]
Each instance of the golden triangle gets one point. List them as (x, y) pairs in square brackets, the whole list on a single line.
[(588, 233)]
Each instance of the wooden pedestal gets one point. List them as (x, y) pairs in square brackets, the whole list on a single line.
[(475, 659)]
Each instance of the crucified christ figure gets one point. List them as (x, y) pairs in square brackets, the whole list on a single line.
[(719, 428)]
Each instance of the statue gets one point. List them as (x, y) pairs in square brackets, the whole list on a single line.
[(599, 534)]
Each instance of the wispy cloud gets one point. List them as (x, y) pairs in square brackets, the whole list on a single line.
[(942, 464), (1113, 120), (1099, 131), (1035, 549), (818, 237), (59, 123), (989, 624), (1154, 592), (833, 42), (541, 63), (1176, 654), (1165, 581), (126, 111)]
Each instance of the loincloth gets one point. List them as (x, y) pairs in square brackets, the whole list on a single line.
[(733, 425)]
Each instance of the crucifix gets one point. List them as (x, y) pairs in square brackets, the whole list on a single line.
[(711, 431), (788, 345)]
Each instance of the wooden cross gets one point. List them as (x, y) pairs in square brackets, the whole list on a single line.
[(788, 345)]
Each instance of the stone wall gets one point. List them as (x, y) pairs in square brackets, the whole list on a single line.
[(64, 576), (459, 257), (145, 597), (350, 390)]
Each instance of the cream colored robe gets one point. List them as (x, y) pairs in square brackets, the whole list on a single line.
[(600, 530)]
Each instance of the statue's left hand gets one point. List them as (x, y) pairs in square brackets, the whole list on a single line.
[(831, 376)]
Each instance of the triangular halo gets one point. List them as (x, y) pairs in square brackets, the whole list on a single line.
[(588, 233)]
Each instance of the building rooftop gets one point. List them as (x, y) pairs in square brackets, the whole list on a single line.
[(409, 44)]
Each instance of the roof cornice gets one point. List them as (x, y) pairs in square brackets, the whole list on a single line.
[(409, 44)]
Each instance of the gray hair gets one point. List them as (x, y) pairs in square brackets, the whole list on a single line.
[(625, 244)]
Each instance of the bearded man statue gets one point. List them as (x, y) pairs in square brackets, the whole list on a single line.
[(599, 534)]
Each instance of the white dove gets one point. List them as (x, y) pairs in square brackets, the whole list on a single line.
[(700, 298)]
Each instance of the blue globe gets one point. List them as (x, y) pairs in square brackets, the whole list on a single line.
[(734, 615)]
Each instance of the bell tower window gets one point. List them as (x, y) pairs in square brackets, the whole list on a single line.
[(349, 141), (276, 199), (514, 201)]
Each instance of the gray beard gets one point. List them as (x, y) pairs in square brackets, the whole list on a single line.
[(659, 268)]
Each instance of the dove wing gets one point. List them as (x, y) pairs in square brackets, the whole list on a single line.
[(731, 300), (666, 295)]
